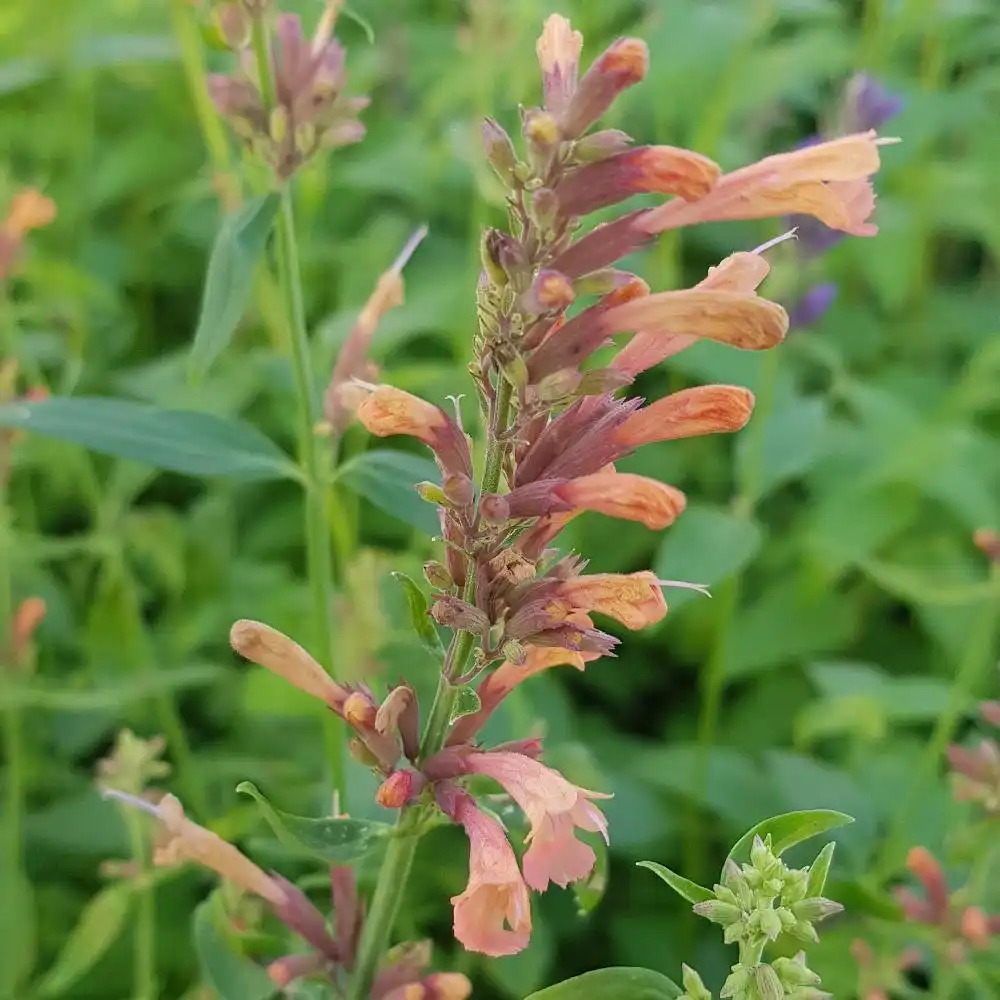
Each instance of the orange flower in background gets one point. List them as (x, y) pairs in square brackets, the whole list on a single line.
[(29, 209)]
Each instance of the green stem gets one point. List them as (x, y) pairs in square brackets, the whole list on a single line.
[(144, 968), (979, 657), (312, 458), (393, 875)]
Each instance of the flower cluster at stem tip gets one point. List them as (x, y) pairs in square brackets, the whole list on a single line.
[(755, 904), (556, 423)]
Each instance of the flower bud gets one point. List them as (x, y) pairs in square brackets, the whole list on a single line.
[(815, 909), (793, 972), (499, 150), (277, 127), (540, 129), (432, 493), (718, 912), (361, 753), (990, 711), (437, 575), (502, 256), (769, 922), (768, 985), (516, 372), (233, 24), (360, 711), (458, 488), (736, 982), (694, 988), (621, 65), (514, 652), (454, 613), (398, 789), (494, 509), (543, 207), (601, 145), (558, 385), (550, 291)]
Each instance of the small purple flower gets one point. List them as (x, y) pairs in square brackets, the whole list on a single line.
[(812, 305), (869, 104)]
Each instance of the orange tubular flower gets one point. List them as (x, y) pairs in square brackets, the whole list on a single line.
[(739, 319), (493, 914), (634, 599), (705, 409), (624, 495), (187, 841), (828, 181), (739, 272)]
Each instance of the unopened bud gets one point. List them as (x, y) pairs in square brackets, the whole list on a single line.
[(693, 986), (601, 145), (278, 123), (454, 613), (975, 926), (543, 208), (540, 129), (305, 138), (598, 381), (815, 909), (622, 64), (437, 575), (502, 256), (458, 488), (718, 912), (398, 789), (360, 711), (768, 985), (761, 856), (793, 972), (769, 922), (233, 24), (551, 290), (494, 509), (499, 150), (432, 493)]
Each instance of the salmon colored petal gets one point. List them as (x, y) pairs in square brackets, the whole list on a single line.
[(705, 409), (736, 318), (627, 496), (634, 599)]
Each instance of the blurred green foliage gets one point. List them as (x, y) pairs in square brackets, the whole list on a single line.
[(836, 532)]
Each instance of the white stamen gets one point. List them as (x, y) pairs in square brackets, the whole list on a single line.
[(407, 252), (702, 588), (456, 402), (131, 800), (790, 235)]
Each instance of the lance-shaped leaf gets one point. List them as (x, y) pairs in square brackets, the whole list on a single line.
[(421, 621), (198, 444), (229, 281), (789, 829), (388, 479), (335, 839), (612, 984), (231, 975), (690, 891)]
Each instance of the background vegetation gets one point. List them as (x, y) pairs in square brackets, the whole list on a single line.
[(853, 626)]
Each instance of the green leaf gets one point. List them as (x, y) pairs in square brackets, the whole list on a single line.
[(466, 703), (229, 281), (335, 840), (819, 870), (612, 984), (706, 545), (98, 927), (422, 623), (387, 479), (232, 975), (691, 891), (198, 444), (790, 829)]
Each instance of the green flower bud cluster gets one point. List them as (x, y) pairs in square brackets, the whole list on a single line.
[(756, 903)]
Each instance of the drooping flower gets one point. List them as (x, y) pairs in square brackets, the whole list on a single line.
[(625, 495), (493, 914), (555, 808)]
